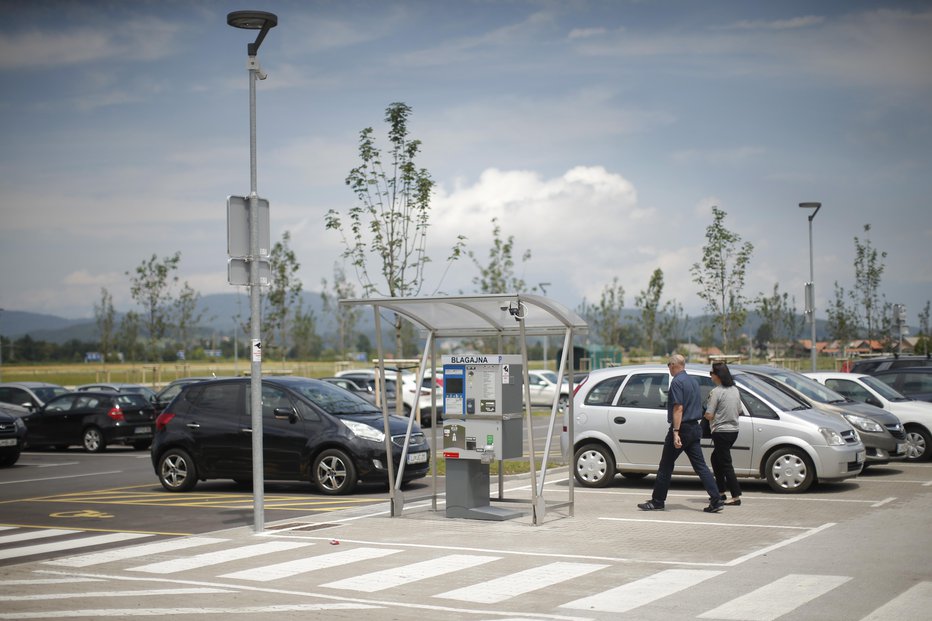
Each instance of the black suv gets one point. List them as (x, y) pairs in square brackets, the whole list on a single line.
[(12, 437), (869, 366), (312, 431)]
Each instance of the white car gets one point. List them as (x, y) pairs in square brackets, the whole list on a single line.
[(916, 416), (543, 388), (413, 395)]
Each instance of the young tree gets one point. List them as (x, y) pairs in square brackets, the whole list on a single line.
[(868, 268), (151, 288), (187, 315), (720, 276), (842, 319), (648, 301), (127, 337), (390, 220), (672, 325), (308, 343), (605, 320), (104, 316), (780, 317), (924, 343), (346, 318), (284, 294), (498, 275)]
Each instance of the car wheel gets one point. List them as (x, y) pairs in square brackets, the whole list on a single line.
[(789, 471), (9, 459), (334, 473), (918, 443), (177, 472), (93, 440), (595, 466), (142, 445), (634, 476)]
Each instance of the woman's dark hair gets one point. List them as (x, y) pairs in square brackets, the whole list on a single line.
[(721, 370)]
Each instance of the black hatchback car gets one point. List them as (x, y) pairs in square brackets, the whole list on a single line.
[(93, 420), (12, 437), (312, 431)]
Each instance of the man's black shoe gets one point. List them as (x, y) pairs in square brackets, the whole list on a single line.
[(715, 506), (650, 505)]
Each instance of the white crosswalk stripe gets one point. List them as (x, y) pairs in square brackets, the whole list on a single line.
[(914, 603), (305, 565), (390, 578), (506, 587), (70, 544), (216, 558), (120, 554), (644, 591), (770, 601), (36, 534)]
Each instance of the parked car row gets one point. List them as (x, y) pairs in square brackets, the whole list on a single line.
[(793, 431)]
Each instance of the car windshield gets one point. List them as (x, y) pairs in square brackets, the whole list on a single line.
[(49, 392), (809, 387), (883, 389), (334, 400), (776, 397)]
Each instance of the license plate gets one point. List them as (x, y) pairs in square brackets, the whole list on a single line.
[(12, 442), (417, 458), (860, 457), (900, 448), (143, 430)]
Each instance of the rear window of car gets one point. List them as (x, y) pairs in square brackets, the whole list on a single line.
[(131, 400), (603, 393), (776, 397)]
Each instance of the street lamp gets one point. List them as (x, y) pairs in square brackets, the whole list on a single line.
[(810, 286), (263, 22)]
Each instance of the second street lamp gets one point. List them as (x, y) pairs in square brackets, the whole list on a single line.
[(810, 286)]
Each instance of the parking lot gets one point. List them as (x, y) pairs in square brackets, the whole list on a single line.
[(853, 550)]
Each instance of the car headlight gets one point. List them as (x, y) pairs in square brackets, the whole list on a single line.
[(863, 423), (832, 437), (364, 431)]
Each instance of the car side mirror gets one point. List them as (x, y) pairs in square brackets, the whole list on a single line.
[(286, 414), (874, 401)]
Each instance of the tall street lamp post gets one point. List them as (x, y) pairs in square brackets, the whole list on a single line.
[(810, 286), (263, 22)]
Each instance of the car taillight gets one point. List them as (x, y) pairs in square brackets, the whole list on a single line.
[(116, 414), (163, 419)]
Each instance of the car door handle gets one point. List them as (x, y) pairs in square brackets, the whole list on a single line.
[(620, 420), (246, 430), (193, 426)]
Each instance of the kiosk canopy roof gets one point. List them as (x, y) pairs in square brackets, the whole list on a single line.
[(463, 316)]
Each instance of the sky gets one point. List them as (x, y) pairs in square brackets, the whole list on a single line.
[(599, 134)]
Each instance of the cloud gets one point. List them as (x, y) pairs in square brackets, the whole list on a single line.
[(778, 24)]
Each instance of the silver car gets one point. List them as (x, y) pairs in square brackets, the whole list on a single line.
[(621, 420)]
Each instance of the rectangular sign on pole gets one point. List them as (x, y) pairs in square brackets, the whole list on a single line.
[(238, 272), (238, 227)]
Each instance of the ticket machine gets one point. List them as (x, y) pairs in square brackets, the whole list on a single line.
[(482, 414)]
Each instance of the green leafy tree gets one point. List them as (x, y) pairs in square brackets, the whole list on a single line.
[(605, 318), (498, 275), (347, 318), (842, 321), (127, 337), (924, 343), (648, 302), (868, 269), (188, 315), (672, 325), (104, 315), (308, 344), (778, 312), (151, 288), (720, 277), (387, 228), (284, 297)]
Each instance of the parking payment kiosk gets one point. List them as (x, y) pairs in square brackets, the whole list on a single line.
[(482, 414)]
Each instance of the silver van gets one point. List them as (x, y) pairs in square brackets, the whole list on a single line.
[(620, 422)]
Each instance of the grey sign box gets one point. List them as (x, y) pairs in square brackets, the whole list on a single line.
[(238, 227), (238, 272)]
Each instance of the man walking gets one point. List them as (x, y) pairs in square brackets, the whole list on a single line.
[(684, 411)]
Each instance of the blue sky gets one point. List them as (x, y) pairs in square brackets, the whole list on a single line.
[(599, 133)]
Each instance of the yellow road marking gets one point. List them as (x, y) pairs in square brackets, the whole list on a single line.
[(103, 530)]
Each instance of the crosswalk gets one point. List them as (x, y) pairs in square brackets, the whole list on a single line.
[(443, 577)]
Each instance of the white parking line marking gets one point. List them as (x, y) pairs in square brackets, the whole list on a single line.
[(779, 545), (914, 603), (396, 576), (771, 601), (642, 592), (43, 581), (506, 587), (120, 554), (215, 558), (883, 502), (69, 476), (36, 534), (614, 519), (304, 565), (70, 544), (79, 594), (183, 612)]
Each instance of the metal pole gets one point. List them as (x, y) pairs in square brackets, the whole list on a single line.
[(255, 373), (812, 281)]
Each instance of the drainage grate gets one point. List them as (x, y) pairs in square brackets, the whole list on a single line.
[(303, 526)]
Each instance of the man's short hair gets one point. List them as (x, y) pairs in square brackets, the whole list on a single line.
[(678, 360)]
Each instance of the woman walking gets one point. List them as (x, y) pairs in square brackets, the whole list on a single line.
[(722, 411)]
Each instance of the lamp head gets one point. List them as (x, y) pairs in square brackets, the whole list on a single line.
[(815, 206), (253, 20)]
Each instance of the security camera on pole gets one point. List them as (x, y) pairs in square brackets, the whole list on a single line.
[(252, 215)]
